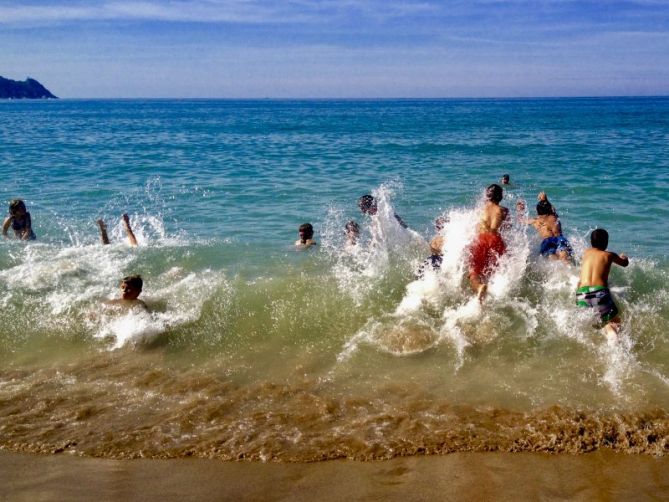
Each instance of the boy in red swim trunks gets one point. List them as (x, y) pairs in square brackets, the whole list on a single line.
[(488, 246)]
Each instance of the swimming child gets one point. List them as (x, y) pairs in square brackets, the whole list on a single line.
[(367, 205), (547, 224), (19, 220), (306, 233), (126, 225), (352, 233), (488, 246), (506, 180), (131, 288), (593, 287), (436, 256)]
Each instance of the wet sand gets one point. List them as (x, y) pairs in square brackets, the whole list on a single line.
[(601, 475)]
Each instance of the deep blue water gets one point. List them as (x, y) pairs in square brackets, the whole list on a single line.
[(252, 171)]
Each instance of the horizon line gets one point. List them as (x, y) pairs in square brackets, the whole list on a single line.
[(335, 98)]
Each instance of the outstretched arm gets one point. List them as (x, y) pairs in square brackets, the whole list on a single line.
[(103, 231), (128, 230), (621, 259)]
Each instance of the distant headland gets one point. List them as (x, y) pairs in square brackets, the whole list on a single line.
[(28, 89)]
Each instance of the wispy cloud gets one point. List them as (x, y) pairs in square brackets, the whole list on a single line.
[(227, 11)]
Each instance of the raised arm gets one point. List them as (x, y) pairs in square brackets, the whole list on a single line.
[(128, 230), (103, 231)]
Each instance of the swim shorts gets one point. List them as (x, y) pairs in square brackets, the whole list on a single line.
[(552, 245), (485, 253), (598, 298)]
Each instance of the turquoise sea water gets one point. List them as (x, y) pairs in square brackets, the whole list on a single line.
[(252, 349)]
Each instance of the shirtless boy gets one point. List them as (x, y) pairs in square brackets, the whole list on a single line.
[(126, 225), (131, 288), (306, 233), (593, 285), (553, 245), (488, 246)]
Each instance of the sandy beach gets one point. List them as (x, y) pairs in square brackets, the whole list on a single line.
[(601, 475)]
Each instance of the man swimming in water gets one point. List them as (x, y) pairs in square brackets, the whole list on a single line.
[(126, 225), (593, 285), (547, 224), (19, 221), (488, 245)]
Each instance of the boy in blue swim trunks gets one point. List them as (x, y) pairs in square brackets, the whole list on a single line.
[(553, 245), (593, 287)]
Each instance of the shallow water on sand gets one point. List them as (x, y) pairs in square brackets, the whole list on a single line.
[(253, 350)]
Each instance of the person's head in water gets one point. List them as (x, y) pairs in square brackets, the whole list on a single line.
[(440, 223), (544, 208), (352, 231), (505, 179), (306, 232), (494, 193), (367, 204), (131, 287), (17, 207), (599, 238)]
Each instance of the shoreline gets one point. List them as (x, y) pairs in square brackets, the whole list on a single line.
[(464, 476)]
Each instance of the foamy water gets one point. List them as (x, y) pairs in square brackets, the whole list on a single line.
[(251, 349)]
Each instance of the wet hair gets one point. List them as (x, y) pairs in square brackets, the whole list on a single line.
[(505, 178), (366, 203), (134, 281), (16, 205), (440, 222), (599, 238), (307, 229), (494, 193), (544, 208), (352, 227)]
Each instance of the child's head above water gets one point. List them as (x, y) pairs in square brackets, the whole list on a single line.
[(367, 204), (306, 232), (599, 238), (544, 208), (352, 228), (440, 223), (494, 193), (131, 287), (17, 207)]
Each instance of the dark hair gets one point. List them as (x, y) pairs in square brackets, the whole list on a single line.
[(505, 177), (440, 222), (352, 226), (15, 205), (599, 238), (307, 229), (544, 208), (494, 193), (135, 281), (366, 203)]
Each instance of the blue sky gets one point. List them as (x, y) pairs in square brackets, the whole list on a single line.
[(337, 48)]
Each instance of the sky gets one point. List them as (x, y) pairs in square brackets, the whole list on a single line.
[(337, 48)]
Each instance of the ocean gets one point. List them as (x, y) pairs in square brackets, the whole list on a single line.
[(252, 349)]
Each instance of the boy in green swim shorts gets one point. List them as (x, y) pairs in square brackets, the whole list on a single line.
[(593, 287)]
